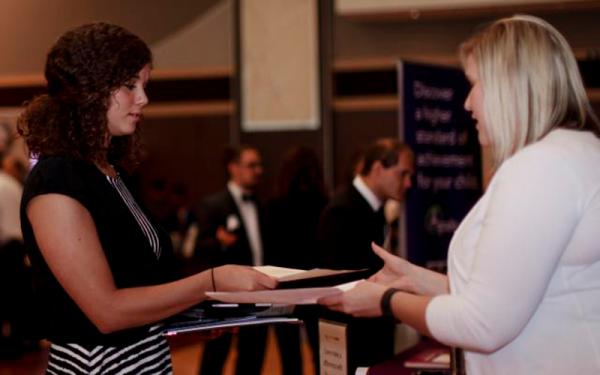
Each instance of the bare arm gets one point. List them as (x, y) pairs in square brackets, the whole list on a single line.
[(67, 238), (418, 285)]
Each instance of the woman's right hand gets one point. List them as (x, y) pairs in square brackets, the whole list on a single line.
[(230, 278), (400, 273)]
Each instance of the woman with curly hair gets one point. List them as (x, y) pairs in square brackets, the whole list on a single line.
[(101, 265)]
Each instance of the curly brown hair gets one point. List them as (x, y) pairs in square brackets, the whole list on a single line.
[(84, 67)]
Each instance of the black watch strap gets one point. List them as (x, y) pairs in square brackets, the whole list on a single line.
[(386, 299)]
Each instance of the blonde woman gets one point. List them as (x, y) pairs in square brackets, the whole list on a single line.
[(522, 295)]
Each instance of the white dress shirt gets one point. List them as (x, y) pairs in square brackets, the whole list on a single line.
[(524, 265), (249, 214), (367, 193)]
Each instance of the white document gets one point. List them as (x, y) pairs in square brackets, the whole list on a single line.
[(333, 348), (300, 296)]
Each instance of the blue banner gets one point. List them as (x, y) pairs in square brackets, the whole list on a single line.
[(447, 180)]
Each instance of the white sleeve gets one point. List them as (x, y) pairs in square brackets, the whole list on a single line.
[(532, 213)]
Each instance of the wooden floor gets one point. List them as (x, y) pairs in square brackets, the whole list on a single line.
[(186, 351)]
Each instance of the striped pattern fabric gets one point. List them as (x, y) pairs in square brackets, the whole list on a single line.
[(148, 356), (141, 219)]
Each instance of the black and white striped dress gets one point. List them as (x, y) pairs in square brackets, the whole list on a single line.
[(149, 355)]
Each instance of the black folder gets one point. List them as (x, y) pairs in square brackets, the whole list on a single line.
[(213, 315), (320, 277)]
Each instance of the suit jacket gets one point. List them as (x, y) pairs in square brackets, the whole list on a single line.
[(292, 221), (218, 210), (348, 226)]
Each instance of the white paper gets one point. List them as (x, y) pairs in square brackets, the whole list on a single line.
[(333, 348), (300, 296)]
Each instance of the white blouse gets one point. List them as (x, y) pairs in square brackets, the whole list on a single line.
[(524, 265)]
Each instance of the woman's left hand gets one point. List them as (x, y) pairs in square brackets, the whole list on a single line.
[(361, 301)]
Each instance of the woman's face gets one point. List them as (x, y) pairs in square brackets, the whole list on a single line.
[(474, 101), (126, 103)]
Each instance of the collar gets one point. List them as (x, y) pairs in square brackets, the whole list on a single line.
[(235, 190), (367, 193)]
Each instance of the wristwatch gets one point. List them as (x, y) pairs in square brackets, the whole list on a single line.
[(386, 299)]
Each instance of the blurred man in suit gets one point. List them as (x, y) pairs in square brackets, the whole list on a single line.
[(354, 218), (351, 221), (230, 232)]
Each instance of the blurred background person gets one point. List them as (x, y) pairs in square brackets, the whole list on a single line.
[(293, 217), (10, 189), (354, 217), (181, 223), (352, 220), (15, 278), (231, 230)]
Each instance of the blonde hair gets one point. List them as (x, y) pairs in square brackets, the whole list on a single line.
[(531, 83)]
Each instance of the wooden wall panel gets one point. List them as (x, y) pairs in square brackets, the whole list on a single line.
[(355, 130), (187, 151), (279, 54)]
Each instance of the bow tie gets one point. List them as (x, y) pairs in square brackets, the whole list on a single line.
[(249, 198)]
